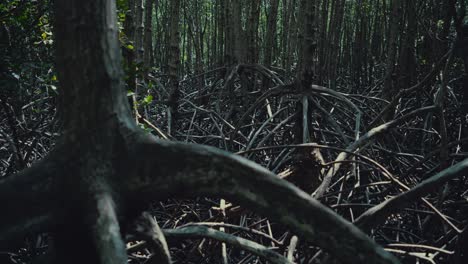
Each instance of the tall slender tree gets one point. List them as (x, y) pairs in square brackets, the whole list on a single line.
[(271, 29), (148, 38), (389, 84), (174, 64)]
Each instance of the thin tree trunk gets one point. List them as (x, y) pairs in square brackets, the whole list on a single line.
[(392, 50), (139, 30), (148, 38), (407, 63), (129, 54), (238, 32), (335, 47), (174, 64), (229, 53), (270, 41), (221, 35)]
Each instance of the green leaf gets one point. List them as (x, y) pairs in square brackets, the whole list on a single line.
[(440, 24), (148, 99), (130, 47)]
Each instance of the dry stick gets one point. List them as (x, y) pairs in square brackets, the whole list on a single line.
[(268, 107), (220, 130), (257, 133), (214, 113), (280, 89), (364, 186), (419, 255), (403, 186), (331, 120), (247, 245), (238, 228), (432, 153), (191, 125), (432, 207), (292, 248), (278, 126), (280, 159), (342, 97), (439, 102), (147, 228), (441, 250), (270, 232), (384, 172), (305, 119), (222, 206), (366, 138), (450, 241), (12, 145), (14, 141), (203, 73), (154, 127), (378, 213)]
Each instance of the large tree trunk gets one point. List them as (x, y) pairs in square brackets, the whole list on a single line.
[(96, 120), (104, 165), (305, 172), (252, 31), (239, 49)]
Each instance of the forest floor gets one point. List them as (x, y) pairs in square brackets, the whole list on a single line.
[(298, 135)]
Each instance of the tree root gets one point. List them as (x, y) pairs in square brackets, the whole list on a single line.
[(167, 169)]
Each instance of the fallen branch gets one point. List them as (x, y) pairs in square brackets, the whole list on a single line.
[(379, 213), (365, 139), (245, 244)]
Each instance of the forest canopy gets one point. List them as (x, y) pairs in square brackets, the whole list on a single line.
[(233, 131)]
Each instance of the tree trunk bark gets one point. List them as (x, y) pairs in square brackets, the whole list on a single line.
[(392, 50), (270, 41), (238, 32), (252, 31), (148, 38), (140, 28), (92, 99), (174, 64), (335, 47)]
